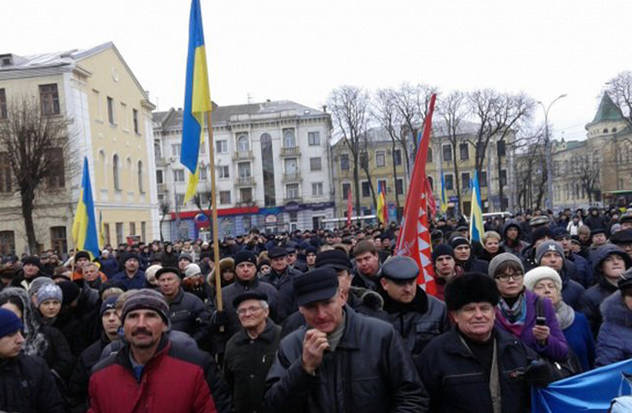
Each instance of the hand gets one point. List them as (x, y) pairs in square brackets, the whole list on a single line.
[(314, 345), (541, 333)]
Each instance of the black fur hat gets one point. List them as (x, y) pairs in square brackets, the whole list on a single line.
[(472, 287)]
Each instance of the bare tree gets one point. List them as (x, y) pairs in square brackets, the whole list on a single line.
[(164, 210), (619, 88), (589, 176), (531, 170), (37, 148), (349, 108), (364, 165)]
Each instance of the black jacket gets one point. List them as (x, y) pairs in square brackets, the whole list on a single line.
[(456, 382), (188, 314), (78, 384), (419, 321), (370, 371), (58, 356), (246, 364), (286, 304), (232, 291), (592, 299), (27, 386)]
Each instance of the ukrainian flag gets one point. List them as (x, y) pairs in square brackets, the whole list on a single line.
[(444, 200), (84, 226), (381, 206), (197, 99), (476, 215)]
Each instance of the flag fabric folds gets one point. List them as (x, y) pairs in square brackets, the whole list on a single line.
[(349, 208), (414, 236), (84, 226), (382, 212), (101, 230), (432, 204), (476, 213), (444, 200), (197, 99)]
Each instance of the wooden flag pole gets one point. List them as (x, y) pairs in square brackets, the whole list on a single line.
[(211, 155)]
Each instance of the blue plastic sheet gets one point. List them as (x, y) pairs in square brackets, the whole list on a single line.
[(591, 391)]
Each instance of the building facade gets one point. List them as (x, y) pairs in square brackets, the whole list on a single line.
[(110, 119), (271, 165)]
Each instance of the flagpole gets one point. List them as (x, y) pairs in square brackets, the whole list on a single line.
[(211, 167)]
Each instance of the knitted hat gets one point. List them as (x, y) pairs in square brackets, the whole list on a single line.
[(245, 256), (192, 270), (32, 259), (150, 273), (442, 249), (49, 291), (9, 322), (38, 283), (82, 254), (531, 278), (470, 288), (500, 259), (130, 256), (108, 304), (185, 256), (546, 247), (70, 291), (540, 233), (458, 240), (148, 300)]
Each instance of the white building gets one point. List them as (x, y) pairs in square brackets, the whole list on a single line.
[(272, 169)]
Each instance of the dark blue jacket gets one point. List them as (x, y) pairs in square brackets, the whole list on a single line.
[(614, 342), (137, 282), (580, 339), (583, 271)]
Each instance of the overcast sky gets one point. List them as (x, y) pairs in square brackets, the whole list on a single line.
[(300, 50)]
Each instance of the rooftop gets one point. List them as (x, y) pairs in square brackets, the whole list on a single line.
[(607, 111)]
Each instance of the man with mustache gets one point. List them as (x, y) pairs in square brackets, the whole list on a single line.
[(150, 372)]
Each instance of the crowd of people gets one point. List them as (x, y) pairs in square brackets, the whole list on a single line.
[(319, 320)]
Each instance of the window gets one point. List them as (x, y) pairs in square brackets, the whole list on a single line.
[(224, 197), (224, 171), (464, 151), (141, 189), (125, 118), (132, 228), (317, 189), (5, 172), (289, 140), (500, 148), (7, 242), (143, 231), (364, 160), (399, 186), (58, 239), (344, 162), (313, 138), (503, 177), (429, 154), (3, 104), (221, 146), (49, 99), (245, 194), (315, 164), (291, 191), (116, 172), (175, 149), (119, 233), (135, 120), (465, 180), (244, 169), (242, 143), (447, 153), (203, 173), (159, 176), (106, 233), (366, 189), (380, 159), (449, 182), (483, 182), (291, 166), (180, 199), (178, 175), (346, 188), (397, 157), (110, 103)]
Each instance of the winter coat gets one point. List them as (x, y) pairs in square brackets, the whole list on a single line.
[(229, 293), (246, 364), (169, 259), (69, 323), (27, 386), (370, 371), (188, 313), (556, 347), (172, 381), (457, 383), (474, 265), (583, 272), (614, 342), (58, 356), (286, 304), (109, 266), (78, 384), (580, 340), (572, 291), (417, 322), (137, 282), (518, 245)]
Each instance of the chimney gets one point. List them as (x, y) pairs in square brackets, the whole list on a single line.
[(325, 108)]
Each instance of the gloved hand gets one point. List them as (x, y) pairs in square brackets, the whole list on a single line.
[(220, 318), (538, 373)]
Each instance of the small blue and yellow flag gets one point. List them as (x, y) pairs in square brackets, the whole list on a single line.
[(84, 226), (444, 199), (197, 100), (382, 212), (476, 215)]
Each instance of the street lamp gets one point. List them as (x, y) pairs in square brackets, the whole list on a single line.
[(548, 152)]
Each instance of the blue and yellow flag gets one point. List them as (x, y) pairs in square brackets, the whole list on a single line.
[(382, 212), (476, 215), (84, 226), (444, 200), (197, 99)]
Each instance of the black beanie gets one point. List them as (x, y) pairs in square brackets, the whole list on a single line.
[(70, 291), (470, 288), (456, 241), (245, 256), (442, 249), (540, 233)]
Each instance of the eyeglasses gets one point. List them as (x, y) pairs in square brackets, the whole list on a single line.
[(506, 277), (247, 310)]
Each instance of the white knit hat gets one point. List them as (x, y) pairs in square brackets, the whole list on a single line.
[(531, 278)]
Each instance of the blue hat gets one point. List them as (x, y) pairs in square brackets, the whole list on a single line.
[(9, 322), (108, 304)]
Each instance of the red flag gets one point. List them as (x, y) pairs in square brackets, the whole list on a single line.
[(432, 204), (349, 208), (414, 235)]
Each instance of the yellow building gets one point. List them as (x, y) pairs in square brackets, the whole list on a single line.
[(110, 123)]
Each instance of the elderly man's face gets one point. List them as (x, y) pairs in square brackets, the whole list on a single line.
[(252, 313), (324, 315), (279, 264), (169, 284), (90, 273), (475, 320), (552, 259)]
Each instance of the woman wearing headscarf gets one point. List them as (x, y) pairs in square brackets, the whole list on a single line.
[(547, 283), (518, 308)]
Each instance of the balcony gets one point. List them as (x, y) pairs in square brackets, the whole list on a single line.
[(292, 198), (292, 177), (161, 162), (162, 188), (245, 181), (245, 204), (243, 156), (291, 151)]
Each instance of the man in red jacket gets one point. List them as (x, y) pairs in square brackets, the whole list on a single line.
[(150, 373)]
